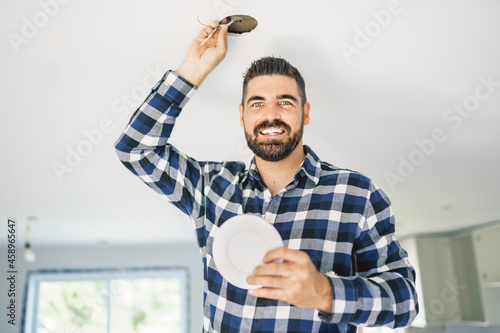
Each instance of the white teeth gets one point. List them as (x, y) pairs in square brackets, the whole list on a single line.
[(273, 131)]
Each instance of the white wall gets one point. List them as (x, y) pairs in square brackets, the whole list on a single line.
[(185, 255)]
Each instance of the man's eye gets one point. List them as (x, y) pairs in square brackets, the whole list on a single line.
[(257, 104), (285, 103)]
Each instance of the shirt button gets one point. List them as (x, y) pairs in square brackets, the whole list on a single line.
[(268, 199)]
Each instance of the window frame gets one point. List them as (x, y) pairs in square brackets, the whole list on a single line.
[(34, 278)]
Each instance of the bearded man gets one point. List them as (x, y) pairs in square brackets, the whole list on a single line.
[(340, 266)]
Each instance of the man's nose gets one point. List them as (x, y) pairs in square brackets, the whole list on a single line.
[(272, 112)]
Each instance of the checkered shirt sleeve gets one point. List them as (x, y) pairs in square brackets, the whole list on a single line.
[(144, 150), (382, 290)]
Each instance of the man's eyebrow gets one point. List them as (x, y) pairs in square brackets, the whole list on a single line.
[(283, 96), (255, 98), (286, 96)]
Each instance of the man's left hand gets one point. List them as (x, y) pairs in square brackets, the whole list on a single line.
[(295, 280)]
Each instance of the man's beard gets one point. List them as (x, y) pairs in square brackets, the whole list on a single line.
[(274, 150)]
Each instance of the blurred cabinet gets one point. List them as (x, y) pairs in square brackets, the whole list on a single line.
[(458, 277), (487, 249), (487, 244), (469, 289)]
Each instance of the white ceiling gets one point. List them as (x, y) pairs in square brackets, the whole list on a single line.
[(77, 70)]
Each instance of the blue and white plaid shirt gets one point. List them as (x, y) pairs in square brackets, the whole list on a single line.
[(337, 216)]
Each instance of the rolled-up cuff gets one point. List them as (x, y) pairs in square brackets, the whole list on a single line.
[(344, 300)]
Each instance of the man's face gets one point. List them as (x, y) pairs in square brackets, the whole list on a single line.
[(272, 116)]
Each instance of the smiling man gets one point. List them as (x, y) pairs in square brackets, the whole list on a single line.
[(271, 138), (273, 114), (341, 265)]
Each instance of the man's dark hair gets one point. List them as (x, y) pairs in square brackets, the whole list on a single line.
[(273, 66)]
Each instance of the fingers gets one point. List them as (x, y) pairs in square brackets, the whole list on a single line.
[(284, 262), (286, 254), (290, 276), (277, 282), (221, 36), (214, 30), (269, 293), (273, 269), (205, 32)]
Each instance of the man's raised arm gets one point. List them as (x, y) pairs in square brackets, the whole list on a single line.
[(143, 146)]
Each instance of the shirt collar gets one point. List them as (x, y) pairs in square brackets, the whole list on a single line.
[(252, 172), (310, 168)]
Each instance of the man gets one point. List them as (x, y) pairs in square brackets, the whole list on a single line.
[(341, 264)]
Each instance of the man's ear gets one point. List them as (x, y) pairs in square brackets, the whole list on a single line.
[(241, 116), (307, 108)]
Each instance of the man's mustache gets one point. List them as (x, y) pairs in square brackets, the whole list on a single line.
[(275, 123)]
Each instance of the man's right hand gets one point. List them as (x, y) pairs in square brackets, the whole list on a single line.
[(202, 59)]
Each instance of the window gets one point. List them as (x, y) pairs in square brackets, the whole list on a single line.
[(119, 301)]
